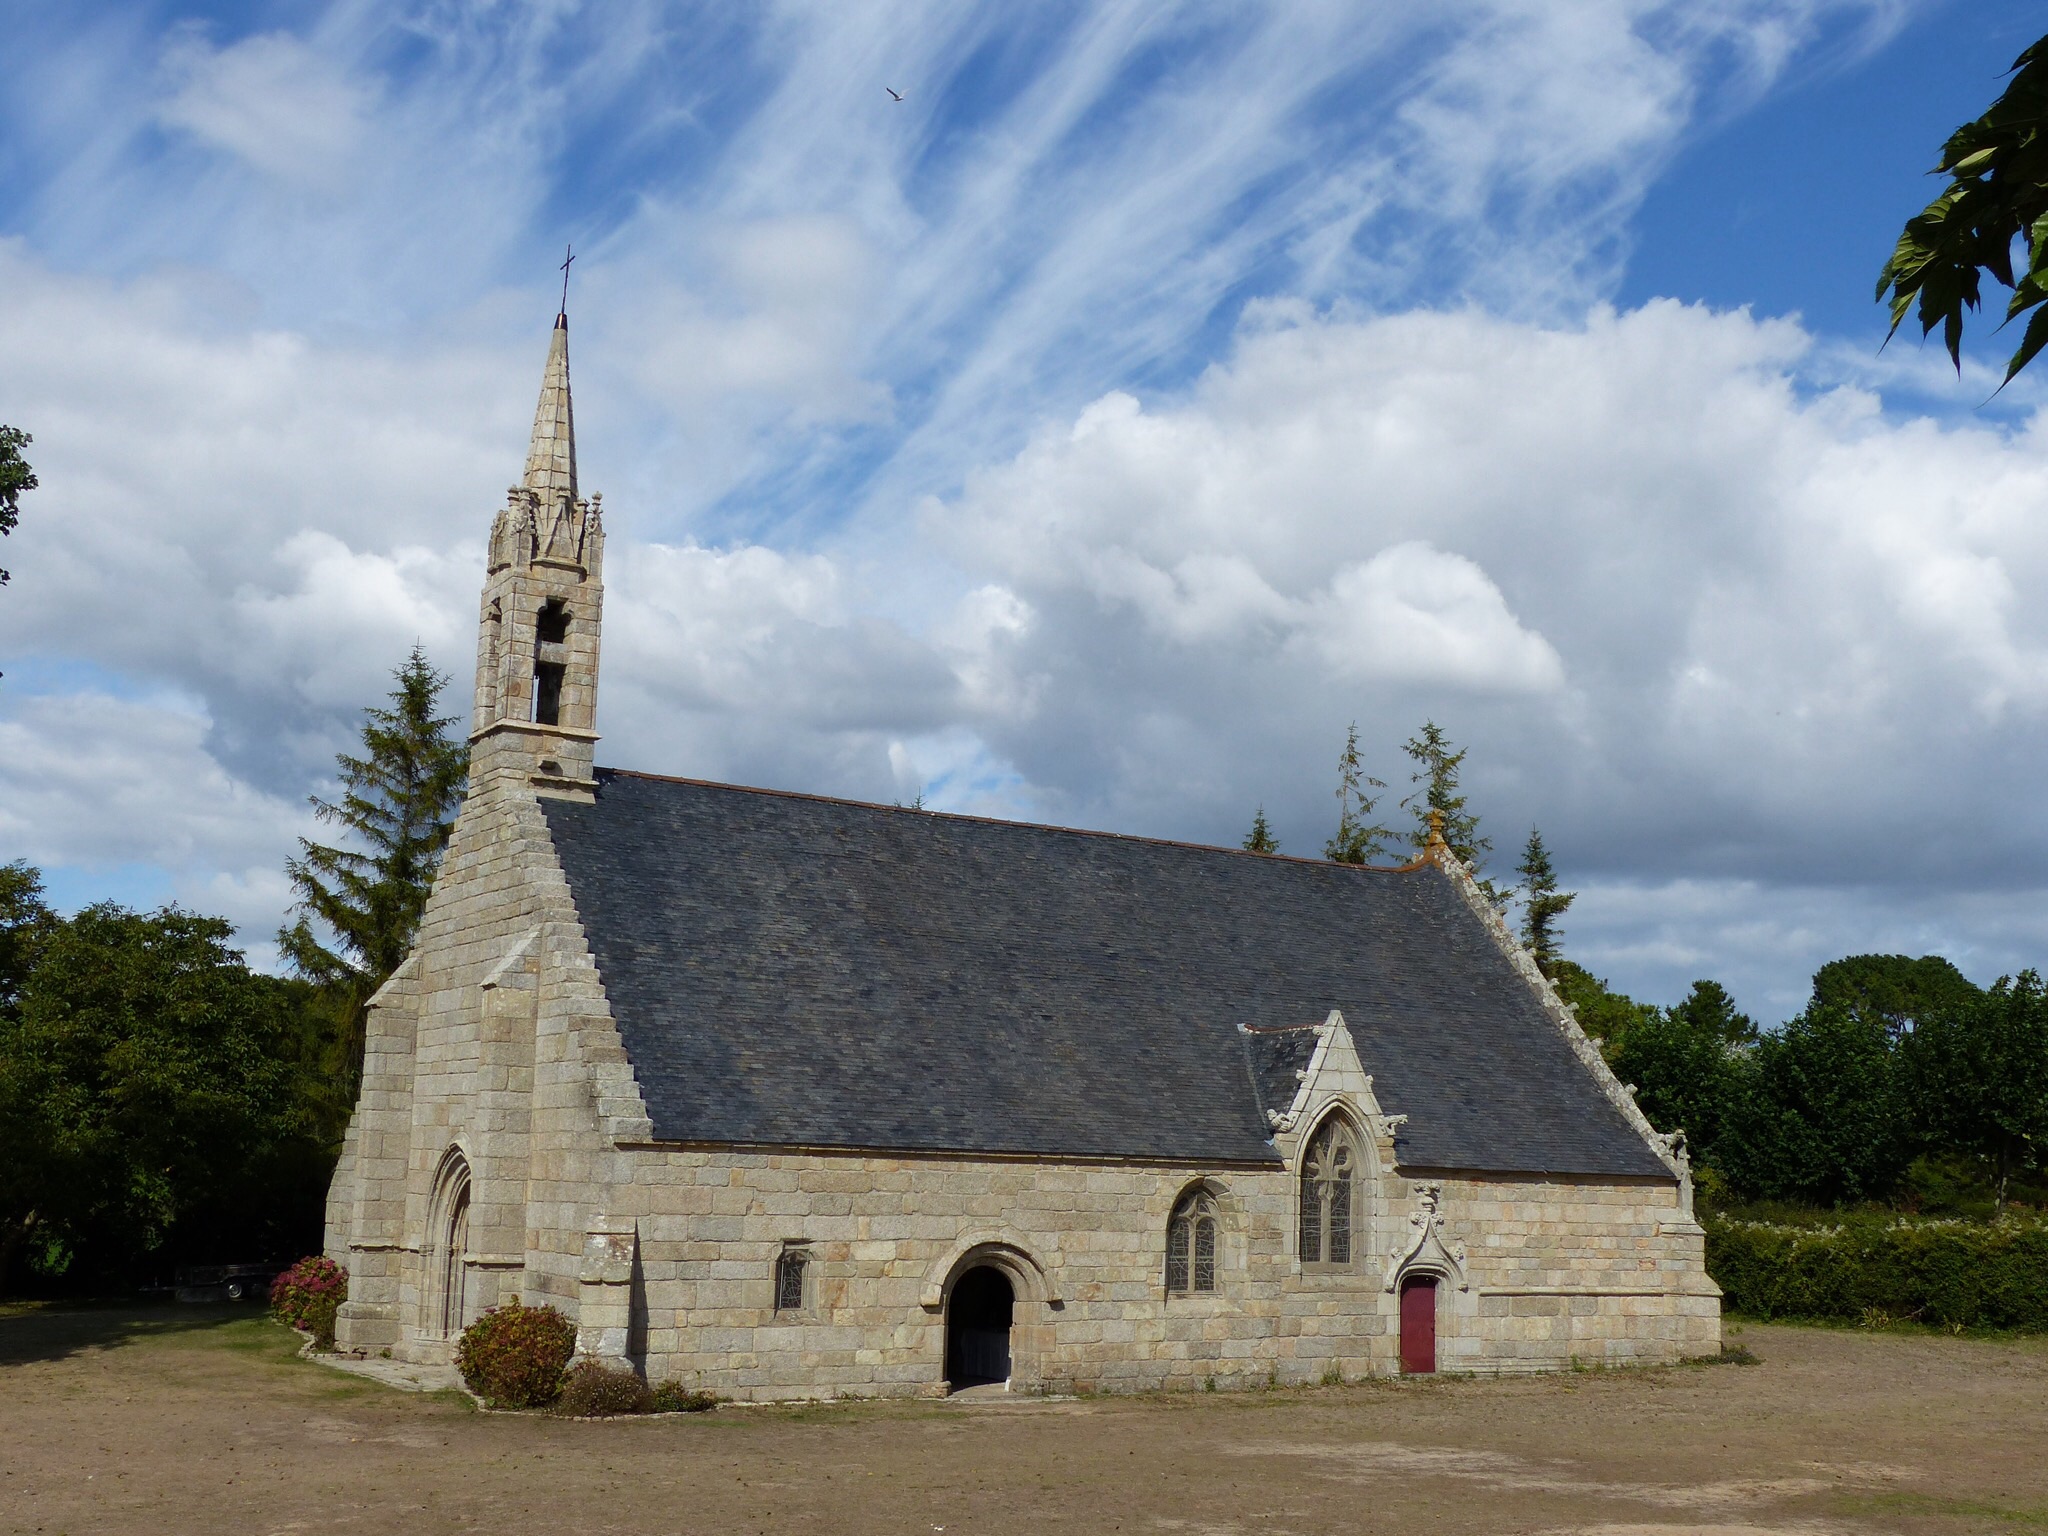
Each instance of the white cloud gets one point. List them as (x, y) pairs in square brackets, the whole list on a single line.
[(285, 108), (102, 782), (1690, 612), (1416, 614)]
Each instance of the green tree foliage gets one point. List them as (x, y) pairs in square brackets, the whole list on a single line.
[(1980, 1071), (1822, 1117), (1260, 839), (25, 924), (1895, 991), (15, 477), (1688, 1064), (150, 1105), (1603, 1013), (1868, 1267), (1359, 839), (398, 802), (1542, 903), (1997, 194)]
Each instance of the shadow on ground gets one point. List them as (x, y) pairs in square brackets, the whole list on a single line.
[(31, 1331)]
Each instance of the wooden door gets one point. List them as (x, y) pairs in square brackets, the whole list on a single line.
[(1418, 1325)]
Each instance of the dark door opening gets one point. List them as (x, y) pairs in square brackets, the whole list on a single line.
[(978, 1329), (1418, 1325)]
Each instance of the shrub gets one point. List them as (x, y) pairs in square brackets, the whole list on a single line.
[(593, 1390), (308, 1295), (674, 1397), (514, 1356), (1877, 1269)]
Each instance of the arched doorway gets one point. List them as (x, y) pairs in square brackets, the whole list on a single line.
[(1418, 1325), (978, 1318), (444, 1288), (454, 1272)]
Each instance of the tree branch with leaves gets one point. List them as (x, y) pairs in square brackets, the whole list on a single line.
[(1997, 194)]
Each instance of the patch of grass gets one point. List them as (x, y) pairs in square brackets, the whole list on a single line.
[(1900, 1327), (1972, 1513)]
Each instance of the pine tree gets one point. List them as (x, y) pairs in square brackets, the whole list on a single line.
[(398, 801), (1260, 839), (1359, 838), (1436, 780), (1542, 903)]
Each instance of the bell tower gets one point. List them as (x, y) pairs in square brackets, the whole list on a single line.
[(536, 654)]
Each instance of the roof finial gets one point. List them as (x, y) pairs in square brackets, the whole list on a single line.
[(569, 255), (1437, 844)]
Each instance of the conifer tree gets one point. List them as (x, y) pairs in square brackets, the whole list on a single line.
[(398, 804), (1260, 839), (1359, 838), (1437, 767), (1542, 903)]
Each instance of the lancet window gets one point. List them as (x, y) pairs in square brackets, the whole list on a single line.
[(1191, 1244)]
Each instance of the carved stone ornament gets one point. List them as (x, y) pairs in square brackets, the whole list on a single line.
[(1427, 1247), (1681, 1158)]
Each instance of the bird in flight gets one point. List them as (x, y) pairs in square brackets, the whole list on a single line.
[(893, 95)]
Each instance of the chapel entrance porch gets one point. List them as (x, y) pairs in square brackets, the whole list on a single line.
[(978, 1317)]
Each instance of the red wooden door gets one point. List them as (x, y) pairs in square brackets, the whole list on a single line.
[(1418, 1325)]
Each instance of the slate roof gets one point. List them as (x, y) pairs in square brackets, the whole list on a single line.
[(793, 970)]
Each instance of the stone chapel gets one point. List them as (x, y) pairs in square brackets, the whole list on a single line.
[(790, 1096)]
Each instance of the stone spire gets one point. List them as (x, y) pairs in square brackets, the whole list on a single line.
[(543, 598), (551, 458)]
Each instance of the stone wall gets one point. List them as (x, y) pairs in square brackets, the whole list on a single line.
[(1535, 1274), (490, 1055)]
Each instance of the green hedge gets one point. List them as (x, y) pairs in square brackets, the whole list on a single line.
[(1875, 1269)]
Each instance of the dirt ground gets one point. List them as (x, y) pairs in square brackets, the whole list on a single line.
[(202, 1420)]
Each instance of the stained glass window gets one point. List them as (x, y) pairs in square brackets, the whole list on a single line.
[(1328, 1196)]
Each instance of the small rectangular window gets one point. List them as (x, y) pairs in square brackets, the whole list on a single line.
[(789, 1280)]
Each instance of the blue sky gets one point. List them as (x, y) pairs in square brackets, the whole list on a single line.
[(1090, 437)]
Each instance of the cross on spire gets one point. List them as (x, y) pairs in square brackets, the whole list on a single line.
[(566, 259)]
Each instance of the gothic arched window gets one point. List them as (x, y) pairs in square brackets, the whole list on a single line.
[(1329, 1195), (1191, 1244)]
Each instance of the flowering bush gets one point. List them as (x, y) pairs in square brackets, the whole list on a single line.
[(308, 1295), (514, 1356), (593, 1390)]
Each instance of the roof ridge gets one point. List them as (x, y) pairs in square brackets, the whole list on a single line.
[(1002, 821)]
